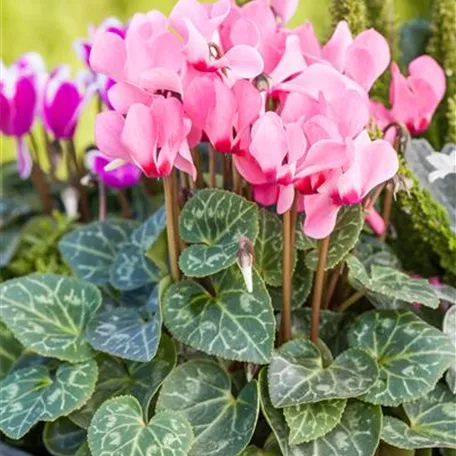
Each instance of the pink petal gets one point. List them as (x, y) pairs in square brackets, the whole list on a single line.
[(108, 130), (367, 58), (310, 45), (140, 136), (319, 128), (266, 195), (123, 95), (376, 222), (284, 8), (249, 169), (381, 115), (249, 104), (425, 67), (108, 55), (184, 161), (285, 199), (299, 105), (268, 145), (244, 61), (196, 47), (335, 49), (199, 100), (291, 63), (321, 215), (160, 79), (296, 142)]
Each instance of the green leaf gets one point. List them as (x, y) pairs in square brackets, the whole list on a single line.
[(449, 328), (214, 221), (297, 374), (386, 284), (11, 209), (10, 242), (118, 429), (301, 286), (129, 333), (342, 239), (63, 438), (117, 377), (201, 390), (357, 433), (10, 350), (233, 324), (311, 421), (83, 450), (371, 251), (36, 394), (252, 450), (132, 268), (48, 314), (432, 421), (411, 355), (268, 248), (91, 250), (333, 327)]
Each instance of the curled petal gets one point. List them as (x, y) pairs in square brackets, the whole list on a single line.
[(122, 95), (244, 61), (24, 159), (321, 215), (108, 55), (108, 130)]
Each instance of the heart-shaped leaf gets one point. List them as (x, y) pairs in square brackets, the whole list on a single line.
[(117, 377), (268, 248), (233, 324), (333, 327), (36, 394), (91, 250), (127, 332), (297, 374), (357, 433), (118, 429), (252, 450), (343, 238), (201, 390), (63, 438), (214, 221), (10, 242), (311, 421), (48, 314), (132, 268), (386, 284), (411, 355), (432, 421), (301, 286), (371, 251), (10, 350)]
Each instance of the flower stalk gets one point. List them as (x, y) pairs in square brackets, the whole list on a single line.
[(318, 289)]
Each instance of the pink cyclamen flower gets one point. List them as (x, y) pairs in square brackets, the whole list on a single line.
[(124, 176), (154, 137), (369, 163), (415, 98), (223, 114), (63, 102), (197, 25), (363, 58), (20, 91)]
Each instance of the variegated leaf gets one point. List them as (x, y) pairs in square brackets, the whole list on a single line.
[(214, 221), (233, 324), (311, 421), (387, 284), (48, 314), (297, 374), (91, 250), (431, 422), (411, 355), (117, 377), (201, 390), (36, 394), (357, 433), (118, 429), (449, 328), (10, 350), (63, 438)]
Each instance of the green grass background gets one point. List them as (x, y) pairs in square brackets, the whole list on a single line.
[(50, 26)]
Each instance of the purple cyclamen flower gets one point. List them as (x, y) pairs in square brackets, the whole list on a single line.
[(124, 176), (63, 102), (20, 91)]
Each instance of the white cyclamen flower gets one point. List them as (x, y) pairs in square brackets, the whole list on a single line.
[(444, 164)]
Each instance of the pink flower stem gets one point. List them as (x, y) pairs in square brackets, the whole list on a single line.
[(318, 289), (170, 202), (124, 204), (387, 206), (332, 284), (237, 182), (227, 172), (352, 299), (101, 201), (287, 253), (199, 169), (212, 167)]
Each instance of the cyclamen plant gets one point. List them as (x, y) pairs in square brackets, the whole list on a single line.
[(229, 298)]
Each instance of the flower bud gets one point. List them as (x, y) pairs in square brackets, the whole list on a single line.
[(246, 255)]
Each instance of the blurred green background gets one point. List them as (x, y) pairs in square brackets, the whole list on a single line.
[(50, 26)]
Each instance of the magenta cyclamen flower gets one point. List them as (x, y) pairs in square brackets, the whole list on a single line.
[(63, 102), (123, 176), (415, 98), (20, 87)]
